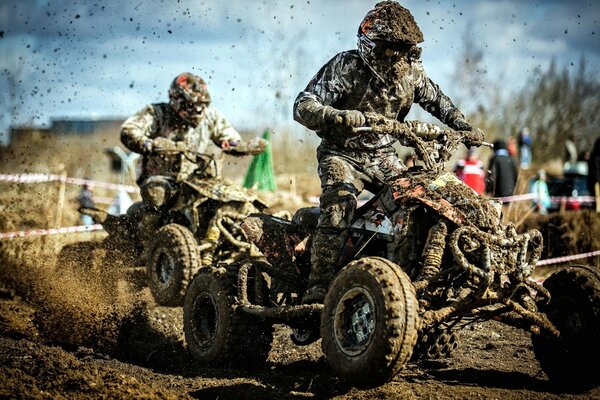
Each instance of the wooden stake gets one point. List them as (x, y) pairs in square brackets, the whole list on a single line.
[(61, 198)]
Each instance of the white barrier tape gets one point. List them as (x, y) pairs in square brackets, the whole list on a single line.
[(579, 199), (38, 178), (517, 197), (106, 185), (554, 199), (103, 200), (27, 178), (43, 232), (558, 260)]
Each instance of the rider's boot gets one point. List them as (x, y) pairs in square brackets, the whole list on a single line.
[(325, 253)]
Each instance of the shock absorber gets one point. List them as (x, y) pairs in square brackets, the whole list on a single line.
[(213, 233), (432, 254)]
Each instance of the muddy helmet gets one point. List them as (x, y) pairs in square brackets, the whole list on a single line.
[(389, 22), (188, 95)]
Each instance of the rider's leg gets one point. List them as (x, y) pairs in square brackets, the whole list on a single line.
[(338, 203)]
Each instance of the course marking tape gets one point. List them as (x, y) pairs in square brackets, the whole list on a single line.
[(38, 178), (554, 199), (54, 231), (558, 260)]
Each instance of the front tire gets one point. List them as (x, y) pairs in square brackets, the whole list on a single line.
[(214, 332), (369, 322), (172, 259), (572, 361)]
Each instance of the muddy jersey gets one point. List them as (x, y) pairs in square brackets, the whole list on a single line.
[(159, 120), (347, 83)]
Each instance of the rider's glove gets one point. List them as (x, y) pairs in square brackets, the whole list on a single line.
[(227, 144), (475, 137), (257, 145), (345, 118), (162, 143)]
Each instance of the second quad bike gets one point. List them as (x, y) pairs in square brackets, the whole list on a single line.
[(425, 257), (196, 221)]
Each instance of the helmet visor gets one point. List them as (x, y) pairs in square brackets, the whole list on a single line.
[(189, 111), (384, 50)]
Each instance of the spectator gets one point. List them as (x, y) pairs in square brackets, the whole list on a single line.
[(524, 141), (86, 200), (511, 146), (594, 172), (570, 150), (541, 203), (470, 171), (502, 172)]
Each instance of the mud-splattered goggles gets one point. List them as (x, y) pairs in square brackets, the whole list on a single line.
[(381, 48)]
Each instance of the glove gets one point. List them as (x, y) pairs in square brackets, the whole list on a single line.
[(162, 143), (258, 144), (474, 138), (254, 146), (346, 118), (350, 118)]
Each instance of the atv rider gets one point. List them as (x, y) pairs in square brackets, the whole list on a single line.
[(159, 131), (384, 75)]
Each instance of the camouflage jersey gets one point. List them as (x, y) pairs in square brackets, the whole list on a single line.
[(347, 83), (156, 120)]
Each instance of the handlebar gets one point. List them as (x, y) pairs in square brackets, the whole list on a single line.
[(433, 145)]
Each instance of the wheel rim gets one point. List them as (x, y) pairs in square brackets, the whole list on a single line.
[(354, 321), (164, 268), (204, 320)]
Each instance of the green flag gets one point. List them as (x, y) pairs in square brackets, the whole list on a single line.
[(260, 174)]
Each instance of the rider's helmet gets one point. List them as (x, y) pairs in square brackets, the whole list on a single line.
[(188, 96), (386, 34)]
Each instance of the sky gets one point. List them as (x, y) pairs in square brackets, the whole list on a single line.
[(82, 59)]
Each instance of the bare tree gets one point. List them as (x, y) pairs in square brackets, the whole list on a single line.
[(555, 104), (468, 70)]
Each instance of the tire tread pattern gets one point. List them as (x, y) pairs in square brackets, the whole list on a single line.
[(181, 244), (400, 314), (582, 285), (246, 342)]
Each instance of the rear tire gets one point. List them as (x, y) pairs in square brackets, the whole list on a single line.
[(214, 332), (435, 343), (571, 361), (172, 259), (369, 322)]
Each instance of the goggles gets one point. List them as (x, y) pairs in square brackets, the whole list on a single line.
[(381, 48)]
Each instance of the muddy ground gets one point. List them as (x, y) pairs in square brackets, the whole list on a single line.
[(493, 361), (63, 335)]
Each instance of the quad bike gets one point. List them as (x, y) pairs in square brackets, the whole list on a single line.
[(425, 257), (195, 221)]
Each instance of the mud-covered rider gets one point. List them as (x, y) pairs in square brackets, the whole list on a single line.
[(384, 75), (187, 122)]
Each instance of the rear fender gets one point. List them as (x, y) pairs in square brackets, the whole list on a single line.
[(283, 243)]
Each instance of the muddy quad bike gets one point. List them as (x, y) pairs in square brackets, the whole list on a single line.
[(425, 257), (196, 223)]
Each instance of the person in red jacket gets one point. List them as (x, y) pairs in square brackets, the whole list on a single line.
[(470, 171)]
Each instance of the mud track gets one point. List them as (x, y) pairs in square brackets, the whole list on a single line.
[(493, 362), (138, 352)]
